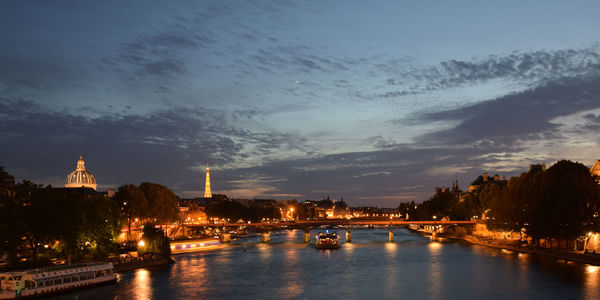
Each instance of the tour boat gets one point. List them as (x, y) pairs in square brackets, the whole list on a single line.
[(56, 279), (326, 240)]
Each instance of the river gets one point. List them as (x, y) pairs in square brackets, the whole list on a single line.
[(412, 267)]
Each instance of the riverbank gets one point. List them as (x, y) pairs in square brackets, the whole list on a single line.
[(137, 263), (568, 255)]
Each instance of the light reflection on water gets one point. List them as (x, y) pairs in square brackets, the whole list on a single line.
[(592, 282), (143, 284), (435, 270), (368, 268)]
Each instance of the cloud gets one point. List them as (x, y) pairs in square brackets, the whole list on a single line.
[(161, 53), (592, 121), (163, 145), (523, 68), (521, 116), (297, 58)]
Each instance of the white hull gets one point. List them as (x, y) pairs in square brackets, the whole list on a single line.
[(36, 283)]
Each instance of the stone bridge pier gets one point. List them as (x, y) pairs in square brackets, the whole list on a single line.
[(266, 236), (306, 232)]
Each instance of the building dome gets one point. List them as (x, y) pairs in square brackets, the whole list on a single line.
[(80, 177)]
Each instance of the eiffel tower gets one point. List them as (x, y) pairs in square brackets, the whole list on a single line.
[(207, 193)]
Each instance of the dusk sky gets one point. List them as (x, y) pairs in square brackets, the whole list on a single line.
[(377, 102)]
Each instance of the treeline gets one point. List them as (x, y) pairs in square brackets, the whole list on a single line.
[(39, 224), (148, 202), (235, 211), (560, 202)]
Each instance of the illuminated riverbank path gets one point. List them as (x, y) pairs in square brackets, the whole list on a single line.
[(265, 228)]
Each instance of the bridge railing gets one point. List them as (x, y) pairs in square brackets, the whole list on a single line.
[(344, 222)]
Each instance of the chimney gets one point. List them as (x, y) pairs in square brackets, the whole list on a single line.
[(496, 178), (485, 177)]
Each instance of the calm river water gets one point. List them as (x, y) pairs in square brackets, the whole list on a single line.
[(412, 267)]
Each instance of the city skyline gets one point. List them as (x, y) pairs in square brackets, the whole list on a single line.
[(376, 103)]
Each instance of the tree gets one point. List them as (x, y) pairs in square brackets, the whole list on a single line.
[(162, 202), (568, 200), (511, 206), (35, 221), (9, 234), (133, 203), (154, 241), (43, 221), (235, 211), (561, 202)]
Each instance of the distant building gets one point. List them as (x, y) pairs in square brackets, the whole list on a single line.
[(595, 171), (265, 203), (341, 209), (481, 181), (7, 185), (207, 192), (81, 177), (193, 211), (325, 208)]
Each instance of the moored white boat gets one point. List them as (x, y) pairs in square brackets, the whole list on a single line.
[(56, 279)]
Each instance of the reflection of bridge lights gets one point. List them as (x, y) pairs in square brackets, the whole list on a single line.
[(434, 246), (592, 269), (391, 247)]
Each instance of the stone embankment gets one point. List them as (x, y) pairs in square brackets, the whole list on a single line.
[(133, 263), (568, 255)]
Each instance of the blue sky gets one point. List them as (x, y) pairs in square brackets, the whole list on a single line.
[(375, 102)]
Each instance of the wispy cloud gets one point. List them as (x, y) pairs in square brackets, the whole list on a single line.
[(527, 69)]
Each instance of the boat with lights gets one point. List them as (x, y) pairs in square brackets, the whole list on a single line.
[(327, 240), (53, 280)]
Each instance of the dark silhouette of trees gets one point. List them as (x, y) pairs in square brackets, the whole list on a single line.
[(561, 202), (155, 241), (133, 201), (235, 211), (567, 202), (162, 202), (41, 222)]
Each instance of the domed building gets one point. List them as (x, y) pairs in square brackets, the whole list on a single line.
[(80, 177)]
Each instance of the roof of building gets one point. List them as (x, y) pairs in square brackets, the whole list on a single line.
[(80, 177), (595, 170)]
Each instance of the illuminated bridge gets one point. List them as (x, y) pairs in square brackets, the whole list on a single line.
[(348, 225)]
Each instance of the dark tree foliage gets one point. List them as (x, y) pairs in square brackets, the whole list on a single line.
[(409, 208), (236, 211), (568, 199), (132, 201), (440, 205), (561, 202), (508, 208), (41, 223), (162, 202), (155, 241)]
